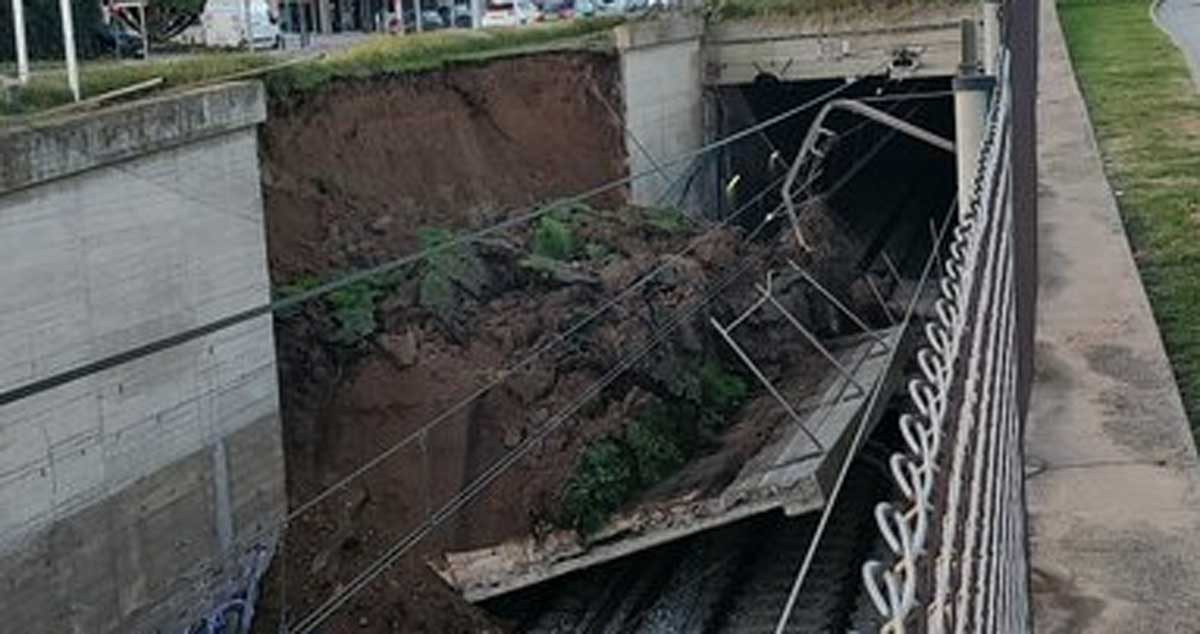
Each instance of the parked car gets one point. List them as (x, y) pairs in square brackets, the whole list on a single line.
[(119, 41), (585, 8), (462, 14), (431, 20), (558, 9), (510, 13)]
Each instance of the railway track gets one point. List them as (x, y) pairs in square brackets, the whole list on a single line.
[(731, 580)]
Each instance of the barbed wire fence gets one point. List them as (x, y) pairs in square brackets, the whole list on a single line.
[(957, 536)]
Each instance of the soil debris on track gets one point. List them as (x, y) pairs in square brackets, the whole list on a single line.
[(375, 169)]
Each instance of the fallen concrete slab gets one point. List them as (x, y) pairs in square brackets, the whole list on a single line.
[(788, 473)]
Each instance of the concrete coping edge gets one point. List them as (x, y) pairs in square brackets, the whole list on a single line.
[(36, 153), (669, 29)]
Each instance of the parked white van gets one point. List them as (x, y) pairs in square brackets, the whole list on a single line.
[(223, 24), (510, 13)]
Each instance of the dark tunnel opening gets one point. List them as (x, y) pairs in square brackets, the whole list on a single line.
[(890, 189)]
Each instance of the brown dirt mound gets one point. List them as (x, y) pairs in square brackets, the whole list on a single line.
[(349, 182), (352, 175)]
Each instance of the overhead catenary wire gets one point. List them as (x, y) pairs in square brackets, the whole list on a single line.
[(530, 358), (577, 325), (78, 372), (561, 337), (310, 622), (178, 339), (283, 521), (476, 486)]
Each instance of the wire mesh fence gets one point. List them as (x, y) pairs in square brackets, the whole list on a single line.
[(957, 535)]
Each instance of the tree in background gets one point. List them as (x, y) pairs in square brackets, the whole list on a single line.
[(43, 29), (166, 18)]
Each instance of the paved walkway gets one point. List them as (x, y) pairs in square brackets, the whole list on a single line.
[(1181, 20), (1114, 509)]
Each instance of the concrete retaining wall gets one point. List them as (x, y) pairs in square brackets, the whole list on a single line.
[(661, 71), (130, 499)]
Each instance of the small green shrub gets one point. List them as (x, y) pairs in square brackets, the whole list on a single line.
[(554, 238), (663, 438), (720, 389), (449, 274), (604, 479), (658, 444), (352, 307), (353, 311), (295, 287), (666, 219)]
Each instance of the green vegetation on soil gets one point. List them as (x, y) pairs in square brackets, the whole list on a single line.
[(351, 309), (452, 276), (666, 219), (379, 55), (1146, 113), (663, 438), (554, 239)]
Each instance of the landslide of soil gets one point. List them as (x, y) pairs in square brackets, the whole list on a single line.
[(374, 169)]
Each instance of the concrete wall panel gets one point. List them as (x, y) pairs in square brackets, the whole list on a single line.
[(131, 498)]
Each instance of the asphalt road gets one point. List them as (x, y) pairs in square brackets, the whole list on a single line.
[(1181, 18)]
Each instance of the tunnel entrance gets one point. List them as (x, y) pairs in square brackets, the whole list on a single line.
[(886, 188)]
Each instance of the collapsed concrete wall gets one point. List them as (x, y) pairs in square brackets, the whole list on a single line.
[(135, 498)]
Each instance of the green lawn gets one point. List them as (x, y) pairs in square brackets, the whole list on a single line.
[(383, 54), (1147, 117), (48, 88), (386, 54)]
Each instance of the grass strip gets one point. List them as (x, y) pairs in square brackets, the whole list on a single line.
[(1146, 113), (377, 55)]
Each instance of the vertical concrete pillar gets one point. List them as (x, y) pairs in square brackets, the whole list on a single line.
[(991, 35), (18, 12), (971, 96)]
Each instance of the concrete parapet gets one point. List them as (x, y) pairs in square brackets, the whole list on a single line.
[(138, 497), (33, 154)]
